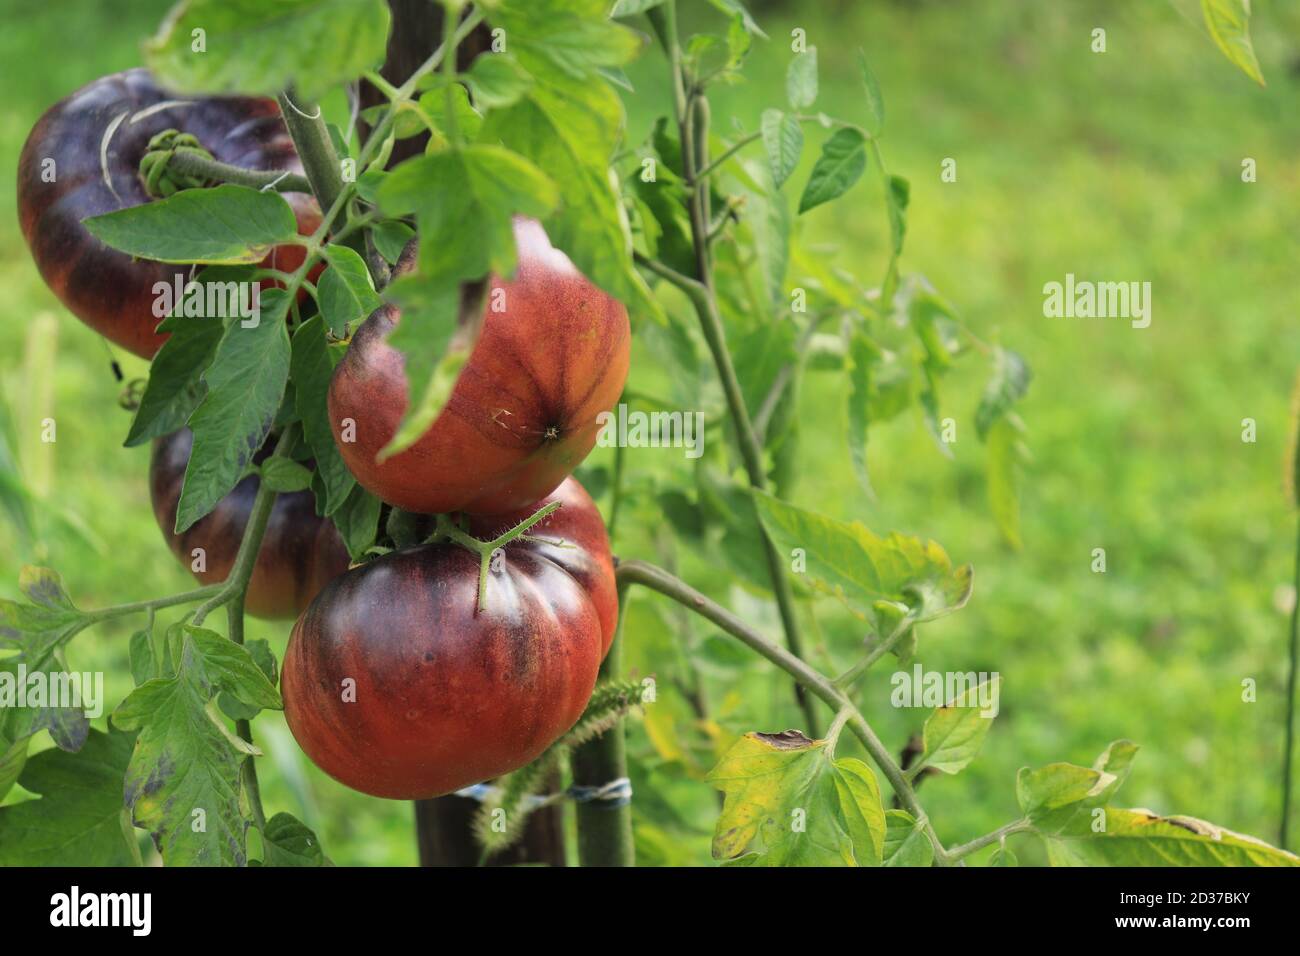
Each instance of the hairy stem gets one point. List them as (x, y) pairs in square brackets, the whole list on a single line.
[(816, 683), (195, 163), (979, 843)]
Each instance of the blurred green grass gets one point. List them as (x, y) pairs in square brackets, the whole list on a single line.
[(1120, 166)]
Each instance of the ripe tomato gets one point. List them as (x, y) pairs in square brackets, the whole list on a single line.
[(397, 686), (523, 413), (95, 138), (300, 552)]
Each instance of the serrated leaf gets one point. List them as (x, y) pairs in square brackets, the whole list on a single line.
[(144, 663), (570, 128), (953, 733), (783, 142), (840, 165), (256, 47), (79, 820), (225, 224), (175, 378), (848, 560), (791, 803), (464, 200), (245, 385), (801, 80), (312, 366), (185, 766), (1229, 24)]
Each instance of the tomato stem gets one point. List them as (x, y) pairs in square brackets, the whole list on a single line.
[(448, 530)]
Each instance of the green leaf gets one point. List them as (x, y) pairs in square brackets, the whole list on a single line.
[(312, 366), (144, 663), (38, 631), (848, 560), (801, 80), (424, 335), (183, 781), (875, 103), (285, 475), (734, 8), (1141, 838), (840, 165), (574, 37), (260, 651), (1229, 24), (13, 757), (570, 129), (1003, 856), (175, 386), (289, 842), (1052, 795), (357, 520), (256, 47), (225, 224), (245, 385), (862, 356), (497, 80), (464, 200), (390, 238), (1006, 454), (783, 142), (905, 842), (79, 820), (347, 293), (953, 733), (630, 8), (1007, 385), (792, 803)]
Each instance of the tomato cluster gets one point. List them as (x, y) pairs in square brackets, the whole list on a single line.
[(402, 678)]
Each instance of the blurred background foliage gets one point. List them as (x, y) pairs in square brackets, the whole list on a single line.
[(1117, 166)]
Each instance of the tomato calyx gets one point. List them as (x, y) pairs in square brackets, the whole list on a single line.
[(160, 175), (447, 529)]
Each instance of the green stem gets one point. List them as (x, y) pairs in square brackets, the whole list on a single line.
[(690, 114), (235, 621), (880, 650), (966, 849), (449, 44), (1288, 755), (604, 831), (171, 600), (194, 163), (817, 684), (236, 584)]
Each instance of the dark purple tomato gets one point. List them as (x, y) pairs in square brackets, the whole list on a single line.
[(95, 139), (301, 551)]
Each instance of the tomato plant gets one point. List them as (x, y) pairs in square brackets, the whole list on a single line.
[(453, 285)]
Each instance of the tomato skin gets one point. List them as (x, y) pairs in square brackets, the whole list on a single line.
[(574, 537), (108, 290), (444, 695), (523, 413), (301, 551)]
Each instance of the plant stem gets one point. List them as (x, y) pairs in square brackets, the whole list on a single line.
[(817, 684), (194, 163), (1288, 755), (235, 621), (604, 830), (171, 600), (966, 849), (700, 291), (236, 584)]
